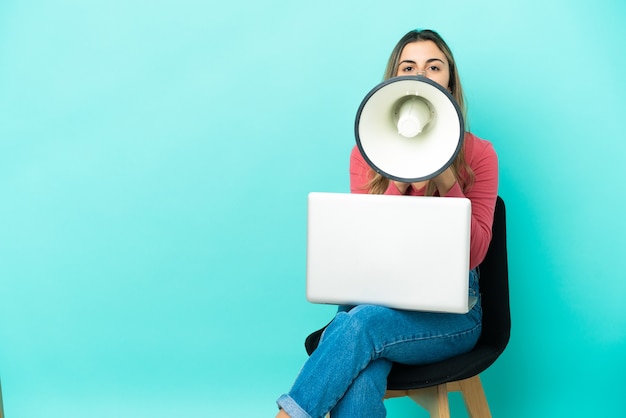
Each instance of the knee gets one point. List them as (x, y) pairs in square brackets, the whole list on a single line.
[(368, 317), (359, 325)]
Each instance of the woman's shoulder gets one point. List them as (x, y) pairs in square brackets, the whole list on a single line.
[(356, 152), (356, 157), (476, 141), (476, 147)]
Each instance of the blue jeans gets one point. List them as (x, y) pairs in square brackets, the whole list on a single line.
[(347, 373)]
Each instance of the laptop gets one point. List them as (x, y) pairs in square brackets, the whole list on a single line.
[(404, 252)]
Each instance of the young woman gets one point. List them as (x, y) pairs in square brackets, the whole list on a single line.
[(347, 373)]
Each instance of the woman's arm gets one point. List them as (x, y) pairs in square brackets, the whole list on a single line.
[(483, 160)]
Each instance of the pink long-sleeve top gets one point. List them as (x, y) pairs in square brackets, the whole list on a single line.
[(482, 158)]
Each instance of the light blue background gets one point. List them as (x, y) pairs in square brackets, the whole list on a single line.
[(155, 158)]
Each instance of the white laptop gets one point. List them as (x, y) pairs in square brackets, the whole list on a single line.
[(404, 252)]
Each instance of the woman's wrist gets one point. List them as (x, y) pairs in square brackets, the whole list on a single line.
[(445, 181), (402, 187)]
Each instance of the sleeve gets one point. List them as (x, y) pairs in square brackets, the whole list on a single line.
[(483, 195), (360, 173)]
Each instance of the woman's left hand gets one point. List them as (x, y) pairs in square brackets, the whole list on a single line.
[(444, 181)]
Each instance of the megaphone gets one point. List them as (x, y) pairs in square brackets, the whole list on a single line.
[(409, 128)]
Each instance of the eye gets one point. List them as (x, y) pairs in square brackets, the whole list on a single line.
[(407, 69), (433, 68)]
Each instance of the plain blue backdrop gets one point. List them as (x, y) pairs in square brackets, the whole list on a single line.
[(155, 158)]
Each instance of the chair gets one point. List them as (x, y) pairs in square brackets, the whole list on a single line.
[(428, 385)]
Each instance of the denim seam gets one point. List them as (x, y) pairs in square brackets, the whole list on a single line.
[(387, 345), (289, 405)]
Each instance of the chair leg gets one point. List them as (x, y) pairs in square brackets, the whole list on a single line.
[(474, 397), (433, 399)]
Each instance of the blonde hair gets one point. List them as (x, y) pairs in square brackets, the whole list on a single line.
[(463, 172)]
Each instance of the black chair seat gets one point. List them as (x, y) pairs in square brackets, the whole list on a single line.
[(404, 377)]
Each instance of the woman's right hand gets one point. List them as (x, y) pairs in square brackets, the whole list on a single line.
[(402, 187)]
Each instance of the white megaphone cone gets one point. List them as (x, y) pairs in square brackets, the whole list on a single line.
[(409, 129)]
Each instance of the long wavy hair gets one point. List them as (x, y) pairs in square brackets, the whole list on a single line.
[(463, 172)]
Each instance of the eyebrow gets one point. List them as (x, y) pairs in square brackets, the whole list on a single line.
[(428, 61)]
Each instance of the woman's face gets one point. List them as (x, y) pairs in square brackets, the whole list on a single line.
[(426, 59)]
